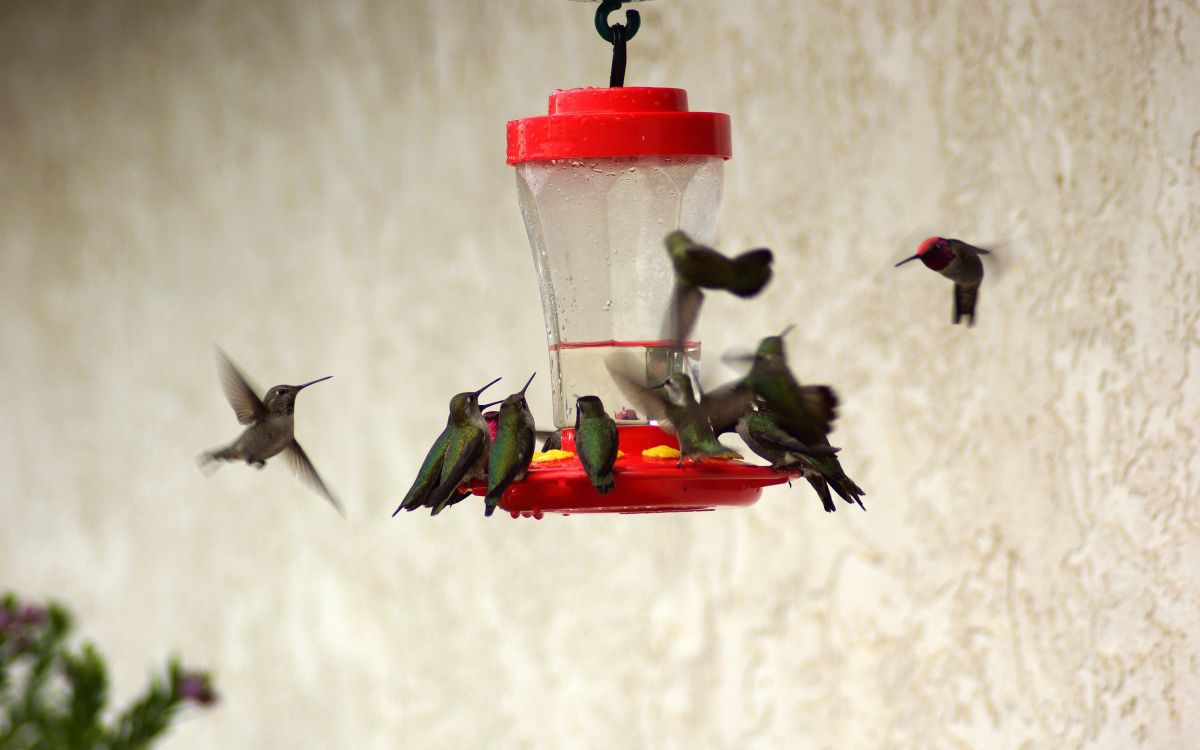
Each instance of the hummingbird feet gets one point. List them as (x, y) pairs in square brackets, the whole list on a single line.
[(257, 464)]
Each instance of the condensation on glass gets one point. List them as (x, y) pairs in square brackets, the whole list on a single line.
[(596, 229)]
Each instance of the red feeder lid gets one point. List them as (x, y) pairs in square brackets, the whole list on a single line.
[(633, 121)]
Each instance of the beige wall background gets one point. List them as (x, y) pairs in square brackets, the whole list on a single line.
[(321, 189)]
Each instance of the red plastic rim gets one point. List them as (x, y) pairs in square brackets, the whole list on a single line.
[(643, 485), (634, 121)]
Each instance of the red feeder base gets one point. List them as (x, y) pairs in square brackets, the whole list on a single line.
[(643, 485)]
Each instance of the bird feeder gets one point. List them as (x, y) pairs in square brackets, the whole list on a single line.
[(602, 178)]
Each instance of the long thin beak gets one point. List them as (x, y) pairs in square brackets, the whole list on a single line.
[(489, 385), (485, 406), (311, 382), (905, 261), (527, 382), (787, 330)]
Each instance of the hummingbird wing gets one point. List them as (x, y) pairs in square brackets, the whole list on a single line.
[(821, 402), (683, 312), (725, 405), (767, 432), (650, 403), (298, 460), (752, 271), (246, 405), (471, 452)]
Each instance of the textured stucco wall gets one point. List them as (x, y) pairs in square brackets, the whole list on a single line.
[(321, 189)]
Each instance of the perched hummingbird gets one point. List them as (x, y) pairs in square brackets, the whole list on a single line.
[(959, 262), (763, 435), (673, 405), (699, 267), (460, 454), (271, 427), (595, 442), (512, 447)]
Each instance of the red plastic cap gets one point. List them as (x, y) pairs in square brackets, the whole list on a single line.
[(635, 121)]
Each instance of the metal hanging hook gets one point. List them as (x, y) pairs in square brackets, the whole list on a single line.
[(633, 21)]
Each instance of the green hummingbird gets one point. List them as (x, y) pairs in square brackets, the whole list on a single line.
[(460, 454), (270, 430), (806, 412), (699, 267), (673, 405), (959, 262), (744, 275), (512, 447), (767, 438), (596, 442)]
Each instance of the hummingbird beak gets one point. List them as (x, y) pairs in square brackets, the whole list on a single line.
[(918, 255), (485, 406), (527, 382), (489, 385), (787, 330), (311, 382)]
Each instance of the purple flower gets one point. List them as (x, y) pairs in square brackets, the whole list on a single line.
[(32, 615), (195, 686)]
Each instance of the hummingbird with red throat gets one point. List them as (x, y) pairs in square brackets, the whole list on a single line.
[(959, 262)]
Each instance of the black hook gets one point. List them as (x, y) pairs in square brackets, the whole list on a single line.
[(633, 21)]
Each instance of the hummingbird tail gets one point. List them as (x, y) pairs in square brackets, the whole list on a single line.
[(847, 489), (210, 461), (964, 303), (603, 484), (822, 489)]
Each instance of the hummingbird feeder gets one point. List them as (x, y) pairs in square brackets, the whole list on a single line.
[(602, 178)]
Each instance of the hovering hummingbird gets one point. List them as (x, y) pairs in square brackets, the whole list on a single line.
[(959, 262), (270, 429), (806, 412), (673, 405), (596, 442), (699, 267), (460, 454), (512, 447), (764, 435), (744, 275)]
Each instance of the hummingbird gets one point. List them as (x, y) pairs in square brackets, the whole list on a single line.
[(460, 454), (552, 441), (512, 447), (763, 435), (744, 275), (596, 442), (805, 413), (270, 427), (672, 403), (699, 267), (959, 262)]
